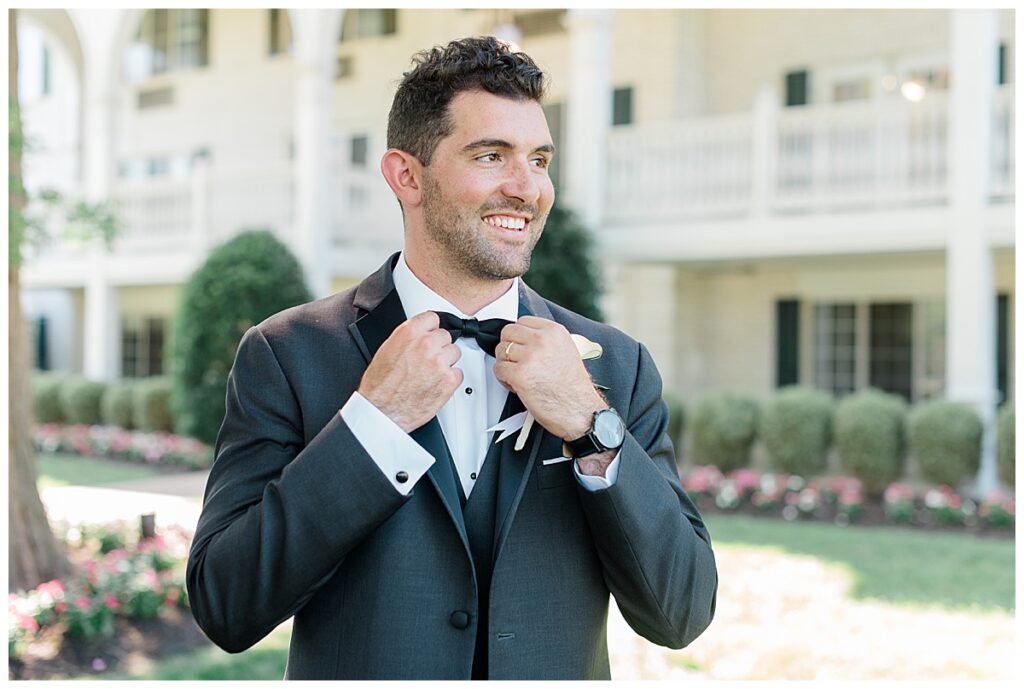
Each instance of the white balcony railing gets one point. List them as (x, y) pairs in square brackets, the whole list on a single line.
[(804, 159)]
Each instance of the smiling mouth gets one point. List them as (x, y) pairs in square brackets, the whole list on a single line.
[(507, 222)]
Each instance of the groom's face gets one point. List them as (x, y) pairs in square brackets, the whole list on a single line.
[(486, 192)]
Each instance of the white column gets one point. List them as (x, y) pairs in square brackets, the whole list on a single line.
[(102, 349), (200, 179), (589, 113), (316, 35), (102, 326), (970, 295)]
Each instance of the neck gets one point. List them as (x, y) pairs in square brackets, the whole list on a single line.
[(468, 293)]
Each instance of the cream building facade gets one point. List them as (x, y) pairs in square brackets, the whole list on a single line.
[(823, 197)]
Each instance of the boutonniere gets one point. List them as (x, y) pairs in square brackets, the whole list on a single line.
[(524, 420)]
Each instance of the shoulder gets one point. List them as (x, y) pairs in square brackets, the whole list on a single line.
[(313, 321)]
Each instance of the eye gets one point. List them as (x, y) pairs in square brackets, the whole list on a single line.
[(541, 162), (492, 157)]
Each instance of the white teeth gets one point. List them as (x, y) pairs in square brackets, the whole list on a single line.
[(506, 222)]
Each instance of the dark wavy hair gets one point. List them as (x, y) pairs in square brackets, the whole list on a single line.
[(420, 116)]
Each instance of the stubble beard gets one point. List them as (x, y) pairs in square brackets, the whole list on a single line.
[(466, 245)]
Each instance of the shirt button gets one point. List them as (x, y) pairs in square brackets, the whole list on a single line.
[(459, 619), (401, 477), (469, 391), (473, 476)]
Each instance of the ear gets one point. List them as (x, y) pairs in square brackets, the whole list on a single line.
[(403, 173)]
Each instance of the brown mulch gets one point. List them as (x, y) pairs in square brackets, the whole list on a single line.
[(134, 643)]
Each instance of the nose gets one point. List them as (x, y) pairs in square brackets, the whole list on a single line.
[(523, 182)]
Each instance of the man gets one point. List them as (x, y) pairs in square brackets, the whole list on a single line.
[(355, 485)]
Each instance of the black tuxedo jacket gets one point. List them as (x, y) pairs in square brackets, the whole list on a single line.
[(299, 521)]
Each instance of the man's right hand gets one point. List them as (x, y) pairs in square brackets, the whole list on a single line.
[(412, 375)]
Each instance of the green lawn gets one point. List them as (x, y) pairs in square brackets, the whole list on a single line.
[(72, 470), (903, 566), (265, 660)]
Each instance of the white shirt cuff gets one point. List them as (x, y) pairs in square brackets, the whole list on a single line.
[(595, 483), (391, 448)]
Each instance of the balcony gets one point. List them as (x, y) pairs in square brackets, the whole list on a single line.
[(800, 160)]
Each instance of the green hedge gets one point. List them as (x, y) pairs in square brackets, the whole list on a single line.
[(945, 439), (80, 400), (118, 404), (724, 426), (46, 397), (152, 401), (869, 434), (676, 416), (241, 283), (1006, 451), (796, 426)]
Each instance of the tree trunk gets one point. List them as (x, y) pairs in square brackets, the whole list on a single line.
[(34, 556)]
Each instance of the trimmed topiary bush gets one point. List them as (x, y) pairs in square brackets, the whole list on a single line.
[(675, 420), (563, 267), (80, 400), (945, 439), (1006, 452), (724, 425), (241, 283), (796, 426), (152, 400), (46, 397), (869, 434), (118, 404)]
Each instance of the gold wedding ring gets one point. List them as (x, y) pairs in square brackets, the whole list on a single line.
[(507, 348)]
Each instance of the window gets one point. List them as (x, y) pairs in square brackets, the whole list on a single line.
[(1001, 65), (167, 40), (46, 71), (1002, 346), (541, 22), (796, 88), (142, 347), (280, 32), (622, 106), (367, 23), (891, 348), (42, 353), (358, 150), (932, 381), (851, 89), (835, 348)]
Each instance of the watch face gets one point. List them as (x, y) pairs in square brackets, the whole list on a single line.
[(609, 429)]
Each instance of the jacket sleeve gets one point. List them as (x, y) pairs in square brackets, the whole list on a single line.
[(279, 515), (654, 549)]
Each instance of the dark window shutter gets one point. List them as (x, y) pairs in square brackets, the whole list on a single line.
[(787, 348), (622, 106), (796, 88), (42, 350), (1002, 349), (1001, 65)]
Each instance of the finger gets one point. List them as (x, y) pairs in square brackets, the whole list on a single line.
[(451, 354), (535, 322), (423, 322), (518, 333)]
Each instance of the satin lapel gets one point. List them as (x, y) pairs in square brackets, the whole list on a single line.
[(370, 331), (514, 470)]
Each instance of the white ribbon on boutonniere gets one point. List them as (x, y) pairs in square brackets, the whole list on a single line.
[(524, 421)]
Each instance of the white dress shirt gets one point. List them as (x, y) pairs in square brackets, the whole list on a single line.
[(474, 407)]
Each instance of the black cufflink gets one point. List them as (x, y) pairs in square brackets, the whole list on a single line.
[(401, 477)]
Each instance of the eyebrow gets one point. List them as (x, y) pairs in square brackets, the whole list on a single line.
[(501, 143)]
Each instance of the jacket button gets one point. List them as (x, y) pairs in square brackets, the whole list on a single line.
[(459, 619), (401, 477)]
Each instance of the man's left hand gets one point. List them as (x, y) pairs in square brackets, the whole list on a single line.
[(538, 361)]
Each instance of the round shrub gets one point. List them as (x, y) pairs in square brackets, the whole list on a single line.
[(1006, 452), (46, 397), (152, 402), (724, 425), (241, 283), (945, 439), (675, 419), (796, 426), (869, 435), (80, 400), (118, 403)]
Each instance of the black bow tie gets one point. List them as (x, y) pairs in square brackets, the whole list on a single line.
[(486, 333)]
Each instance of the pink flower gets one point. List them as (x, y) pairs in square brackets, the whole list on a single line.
[(111, 601), (61, 608), (28, 622), (83, 603)]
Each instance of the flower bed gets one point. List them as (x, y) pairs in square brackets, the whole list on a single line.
[(842, 500), (117, 575), (164, 449)]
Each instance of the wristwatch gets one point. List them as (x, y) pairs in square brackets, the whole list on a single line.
[(607, 431)]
